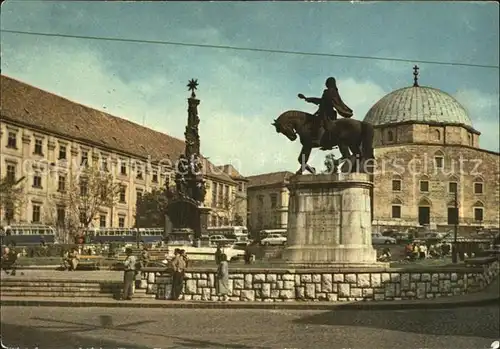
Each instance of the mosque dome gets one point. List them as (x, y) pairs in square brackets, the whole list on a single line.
[(419, 104)]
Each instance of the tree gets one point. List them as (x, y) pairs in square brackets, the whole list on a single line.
[(87, 193), (151, 208), (11, 196), (230, 210)]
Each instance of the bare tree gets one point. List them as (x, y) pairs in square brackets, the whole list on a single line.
[(11, 197), (229, 210), (87, 193)]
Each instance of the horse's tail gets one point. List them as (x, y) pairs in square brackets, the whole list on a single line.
[(367, 140)]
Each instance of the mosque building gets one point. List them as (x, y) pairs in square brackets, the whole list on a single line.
[(429, 163)]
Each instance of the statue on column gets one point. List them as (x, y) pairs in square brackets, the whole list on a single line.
[(354, 138), (182, 169)]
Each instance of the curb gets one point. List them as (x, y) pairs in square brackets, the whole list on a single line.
[(387, 305)]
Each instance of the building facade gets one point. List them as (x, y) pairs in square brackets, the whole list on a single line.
[(235, 207), (268, 201), (429, 163), (48, 139)]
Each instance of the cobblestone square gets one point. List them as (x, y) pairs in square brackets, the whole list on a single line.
[(55, 328)]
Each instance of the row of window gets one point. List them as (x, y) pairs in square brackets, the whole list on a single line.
[(272, 197), (452, 213), (62, 184), (275, 222), (220, 195), (452, 186), (36, 216), (217, 221), (436, 135), (84, 157), (391, 138)]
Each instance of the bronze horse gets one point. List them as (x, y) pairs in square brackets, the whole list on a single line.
[(350, 135)]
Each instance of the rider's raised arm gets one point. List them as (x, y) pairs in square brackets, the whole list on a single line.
[(313, 100)]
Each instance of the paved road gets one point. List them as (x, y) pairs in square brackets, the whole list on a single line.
[(55, 328)]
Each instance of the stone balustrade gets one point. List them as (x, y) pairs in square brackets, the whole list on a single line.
[(278, 285)]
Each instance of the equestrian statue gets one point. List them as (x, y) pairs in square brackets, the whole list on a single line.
[(323, 130)]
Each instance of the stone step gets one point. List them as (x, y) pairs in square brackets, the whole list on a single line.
[(96, 288), (57, 280), (57, 288), (62, 286), (58, 284), (65, 288), (29, 293)]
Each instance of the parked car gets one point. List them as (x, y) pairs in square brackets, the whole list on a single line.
[(220, 240), (379, 239), (273, 239)]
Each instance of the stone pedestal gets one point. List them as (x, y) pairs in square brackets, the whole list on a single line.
[(329, 221), (204, 219)]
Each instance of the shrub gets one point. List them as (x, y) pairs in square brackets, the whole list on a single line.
[(52, 250)]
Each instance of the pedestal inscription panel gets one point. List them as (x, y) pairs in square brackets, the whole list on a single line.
[(328, 219)]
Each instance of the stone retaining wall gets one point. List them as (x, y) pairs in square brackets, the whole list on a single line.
[(278, 285)]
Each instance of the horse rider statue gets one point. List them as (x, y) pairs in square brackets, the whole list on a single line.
[(329, 104)]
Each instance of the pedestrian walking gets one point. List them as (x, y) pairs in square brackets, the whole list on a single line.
[(223, 278), (130, 264)]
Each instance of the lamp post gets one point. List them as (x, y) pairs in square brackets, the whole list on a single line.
[(455, 231)]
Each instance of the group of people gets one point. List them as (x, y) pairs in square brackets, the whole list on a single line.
[(70, 259), (419, 250), (132, 267)]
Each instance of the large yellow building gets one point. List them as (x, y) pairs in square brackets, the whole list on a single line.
[(236, 207), (47, 139), (268, 200)]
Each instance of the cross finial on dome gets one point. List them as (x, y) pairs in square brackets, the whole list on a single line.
[(415, 76)]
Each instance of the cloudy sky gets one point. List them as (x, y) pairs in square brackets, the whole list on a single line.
[(242, 92)]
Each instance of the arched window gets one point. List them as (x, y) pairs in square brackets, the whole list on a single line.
[(478, 186), (439, 160), (471, 139), (424, 184), (437, 135), (453, 184)]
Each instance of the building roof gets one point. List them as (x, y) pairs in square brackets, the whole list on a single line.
[(232, 172), (269, 179), (32, 107), (418, 104)]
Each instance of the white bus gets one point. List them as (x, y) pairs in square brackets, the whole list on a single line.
[(27, 234), (238, 233), (125, 235)]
